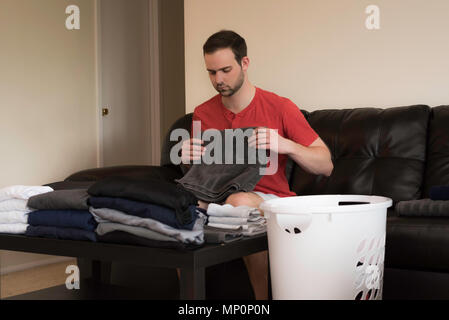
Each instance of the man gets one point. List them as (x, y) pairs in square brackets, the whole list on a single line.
[(240, 104)]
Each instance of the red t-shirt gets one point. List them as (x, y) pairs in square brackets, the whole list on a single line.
[(265, 110)]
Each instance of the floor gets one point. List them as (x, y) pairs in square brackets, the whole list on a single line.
[(15, 283)]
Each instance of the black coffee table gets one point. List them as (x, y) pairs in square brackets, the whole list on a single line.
[(192, 263)]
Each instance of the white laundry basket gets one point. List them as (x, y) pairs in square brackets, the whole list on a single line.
[(326, 246)]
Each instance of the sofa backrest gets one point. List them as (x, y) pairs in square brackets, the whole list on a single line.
[(437, 165), (185, 122), (375, 152)]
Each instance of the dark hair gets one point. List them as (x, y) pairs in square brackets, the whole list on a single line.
[(226, 39)]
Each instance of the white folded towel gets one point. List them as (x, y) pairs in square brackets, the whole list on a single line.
[(22, 192), (235, 220), (228, 210), (226, 226), (13, 217), (254, 231), (15, 228), (14, 205)]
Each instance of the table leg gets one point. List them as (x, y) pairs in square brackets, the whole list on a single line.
[(101, 271), (98, 271), (192, 284), (270, 293)]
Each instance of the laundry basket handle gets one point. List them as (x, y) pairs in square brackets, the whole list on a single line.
[(287, 219)]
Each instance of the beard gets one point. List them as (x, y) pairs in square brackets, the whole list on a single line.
[(228, 91)]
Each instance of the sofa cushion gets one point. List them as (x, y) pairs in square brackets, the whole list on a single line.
[(417, 243), (374, 151), (437, 166)]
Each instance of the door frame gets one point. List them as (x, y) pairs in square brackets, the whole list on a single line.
[(98, 81), (154, 82), (153, 73)]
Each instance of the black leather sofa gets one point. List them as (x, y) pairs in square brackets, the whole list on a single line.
[(399, 153)]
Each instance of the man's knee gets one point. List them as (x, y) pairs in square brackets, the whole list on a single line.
[(244, 199)]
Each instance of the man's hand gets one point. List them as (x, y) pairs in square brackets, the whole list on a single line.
[(269, 139), (192, 149), (315, 158)]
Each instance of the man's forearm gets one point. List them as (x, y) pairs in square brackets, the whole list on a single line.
[(314, 159)]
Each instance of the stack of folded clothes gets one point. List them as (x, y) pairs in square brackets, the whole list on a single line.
[(13, 207), (226, 223), (149, 212), (61, 214)]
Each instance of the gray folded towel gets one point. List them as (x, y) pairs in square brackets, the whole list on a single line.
[(215, 182), (423, 208)]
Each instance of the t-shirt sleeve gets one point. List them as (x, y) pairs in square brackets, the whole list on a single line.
[(296, 126)]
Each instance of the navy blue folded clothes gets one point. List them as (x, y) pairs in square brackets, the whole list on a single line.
[(60, 233), (152, 191), (439, 193), (80, 219), (144, 210)]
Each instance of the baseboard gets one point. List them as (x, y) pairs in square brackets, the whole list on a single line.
[(33, 264)]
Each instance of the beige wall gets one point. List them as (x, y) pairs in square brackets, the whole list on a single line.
[(319, 53), (48, 126)]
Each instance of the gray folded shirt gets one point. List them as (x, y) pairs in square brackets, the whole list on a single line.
[(195, 236), (218, 235), (60, 200), (106, 227), (423, 208)]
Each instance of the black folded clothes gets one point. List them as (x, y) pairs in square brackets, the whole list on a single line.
[(236, 169), (122, 237), (423, 208), (67, 185), (60, 199), (154, 191)]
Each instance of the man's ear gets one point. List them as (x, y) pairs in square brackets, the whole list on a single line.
[(245, 63)]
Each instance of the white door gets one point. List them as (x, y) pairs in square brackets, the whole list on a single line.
[(123, 39)]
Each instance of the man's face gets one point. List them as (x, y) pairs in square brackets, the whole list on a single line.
[(226, 75)]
